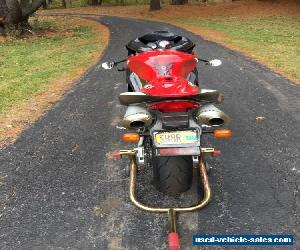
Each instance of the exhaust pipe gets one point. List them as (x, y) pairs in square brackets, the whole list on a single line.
[(137, 117), (212, 116)]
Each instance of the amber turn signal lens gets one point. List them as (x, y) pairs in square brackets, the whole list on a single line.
[(222, 133), (131, 137)]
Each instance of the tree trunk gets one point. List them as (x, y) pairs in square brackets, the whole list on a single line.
[(154, 5), (3, 13), (14, 14), (64, 3), (3, 10), (46, 4), (32, 8), (179, 2), (93, 2)]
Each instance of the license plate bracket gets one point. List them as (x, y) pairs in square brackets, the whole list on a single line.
[(180, 138)]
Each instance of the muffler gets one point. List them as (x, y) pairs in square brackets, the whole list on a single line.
[(137, 117), (212, 116)]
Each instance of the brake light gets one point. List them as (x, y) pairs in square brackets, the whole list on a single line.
[(174, 106)]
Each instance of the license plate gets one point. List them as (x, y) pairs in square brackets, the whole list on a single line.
[(176, 137)]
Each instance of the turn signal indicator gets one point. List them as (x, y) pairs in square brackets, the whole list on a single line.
[(222, 133), (131, 137)]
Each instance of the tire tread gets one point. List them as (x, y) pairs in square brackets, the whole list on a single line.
[(173, 175)]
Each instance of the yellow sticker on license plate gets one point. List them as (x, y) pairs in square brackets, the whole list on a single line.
[(176, 137)]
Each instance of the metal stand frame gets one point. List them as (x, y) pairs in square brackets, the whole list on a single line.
[(173, 237)]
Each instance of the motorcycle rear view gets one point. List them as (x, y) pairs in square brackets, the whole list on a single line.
[(167, 115)]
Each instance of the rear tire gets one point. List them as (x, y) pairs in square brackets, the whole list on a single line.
[(173, 175)]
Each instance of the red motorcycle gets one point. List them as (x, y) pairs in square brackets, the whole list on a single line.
[(167, 114)]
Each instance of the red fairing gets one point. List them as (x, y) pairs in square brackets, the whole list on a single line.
[(165, 71)]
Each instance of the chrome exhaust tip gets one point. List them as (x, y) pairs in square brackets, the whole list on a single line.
[(137, 117), (212, 116)]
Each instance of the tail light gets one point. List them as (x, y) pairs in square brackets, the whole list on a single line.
[(174, 106)]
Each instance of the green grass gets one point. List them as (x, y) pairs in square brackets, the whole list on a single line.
[(45, 25), (28, 66), (276, 39)]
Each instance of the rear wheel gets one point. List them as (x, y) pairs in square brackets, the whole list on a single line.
[(173, 174)]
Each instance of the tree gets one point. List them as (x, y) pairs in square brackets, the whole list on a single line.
[(64, 3), (46, 3), (154, 5), (179, 2), (95, 2), (14, 14)]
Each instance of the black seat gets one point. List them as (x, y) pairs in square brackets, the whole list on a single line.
[(141, 44), (160, 36)]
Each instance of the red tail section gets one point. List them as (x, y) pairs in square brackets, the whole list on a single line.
[(165, 71)]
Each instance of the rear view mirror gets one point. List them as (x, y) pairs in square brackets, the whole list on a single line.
[(107, 65), (215, 62)]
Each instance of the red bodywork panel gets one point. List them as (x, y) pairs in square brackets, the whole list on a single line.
[(165, 71)]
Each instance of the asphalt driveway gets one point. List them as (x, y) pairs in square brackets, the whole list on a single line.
[(60, 189)]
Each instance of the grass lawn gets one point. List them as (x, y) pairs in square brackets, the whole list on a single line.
[(275, 40), (29, 65), (35, 72)]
